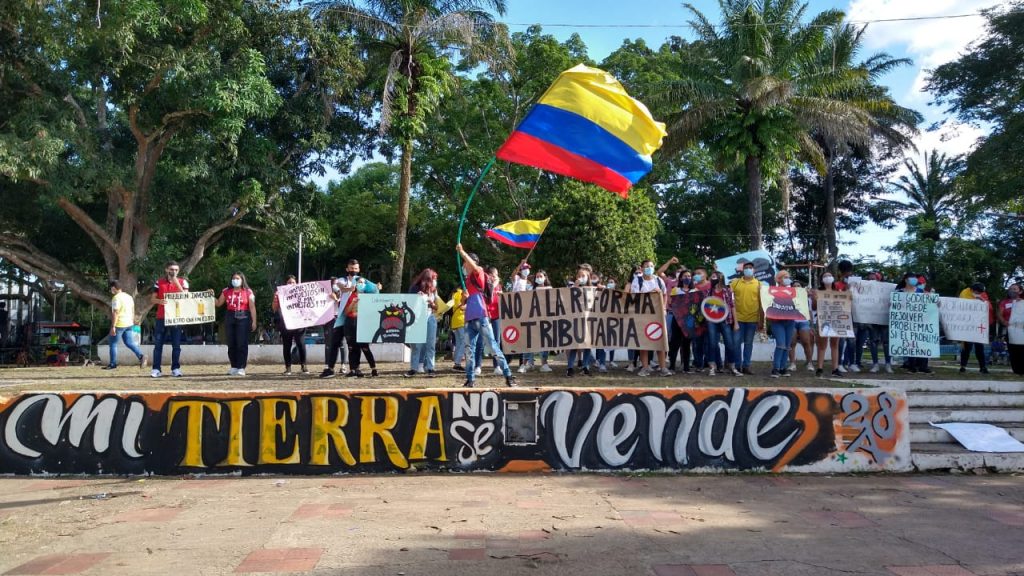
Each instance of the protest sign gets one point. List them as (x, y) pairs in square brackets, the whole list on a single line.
[(687, 313), (784, 303), (581, 318), (835, 314), (1016, 328), (392, 318), (964, 320), (871, 301), (181, 308), (764, 265), (914, 325), (307, 304), (715, 309)]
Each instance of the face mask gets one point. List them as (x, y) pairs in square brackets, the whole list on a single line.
[(912, 281), (611, 285), (236, 282), (748, 272), (582, 280), (524, 273), (1014, 294), (698, 278), (539, 279), (685, 280), (826, 280), (649, 271), (595, 281), (787, 281), (350, 273)]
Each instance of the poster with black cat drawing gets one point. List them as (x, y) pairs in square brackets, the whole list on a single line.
[(392, 319)]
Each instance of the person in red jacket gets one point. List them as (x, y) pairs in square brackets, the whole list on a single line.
[(170, 283)]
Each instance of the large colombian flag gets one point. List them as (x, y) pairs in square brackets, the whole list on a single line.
[(519, 233), (587, 127)]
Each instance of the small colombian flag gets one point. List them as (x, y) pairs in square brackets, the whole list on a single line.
[(587, 127), (520, 233)]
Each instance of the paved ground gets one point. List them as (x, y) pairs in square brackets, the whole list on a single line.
[(454, 524)]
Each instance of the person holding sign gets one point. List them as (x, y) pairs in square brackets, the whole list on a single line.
[(122, 308), (725, 329), (783, 331), (1013, 295), (827, 337), (170, 283), (239, 320), (975, 291), (913, 284), (582, 281), (648, 282), (478, 325), (288, 337), (423, 354)]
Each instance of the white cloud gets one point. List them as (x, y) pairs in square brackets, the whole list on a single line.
[(928, 42)]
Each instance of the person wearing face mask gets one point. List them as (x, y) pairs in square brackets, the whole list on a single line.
[(804, 336), (583, 273), (239, 320), (422, 358), (122, 312), (828, 282), (783, 331), (747, 294), (1014, 350), (541, 282), (290, 337), (910, 284), (1013, 295), (342, 290), (356, 285), (494, 316), (975, 291), (521, 283), (170, 283), (680, 336), (724, 331), (648, 282)]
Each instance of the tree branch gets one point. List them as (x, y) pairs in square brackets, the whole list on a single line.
[(78, 111), (26, 256), (103, 240), (208, 237)]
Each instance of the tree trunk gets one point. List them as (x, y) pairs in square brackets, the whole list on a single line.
[(830, 205), (753, 165), (395, 282)]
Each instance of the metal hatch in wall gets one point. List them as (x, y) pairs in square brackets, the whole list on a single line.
[(521, 422)]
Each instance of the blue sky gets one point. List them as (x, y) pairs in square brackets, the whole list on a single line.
[(603, 25)]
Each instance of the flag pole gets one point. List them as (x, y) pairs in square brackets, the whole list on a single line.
[(465, 210)]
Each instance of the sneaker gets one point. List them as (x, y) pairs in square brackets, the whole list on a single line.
[(787, 374), (818, 372), (468, 384), (792, 367), (498, 371), (666, 372), (810, 367), (842, 369), (288, 371), (351, 374), (711, 371), (984, 370), (373, 373), (888, 368), (233, 371), (143, 360), (410, 374), (613, 365), (545, 368), (602, 368), (523, 369), (430, 374), (854, 368), (963, 369), (746, 370), (644, 372), (586, 370), (155, 374), (510, 381), (736, 372), (458, 368), (478, 371), (775, 373), (177, 373), (240, 372), (327, 373), (686, 371), (837, 373), (304, 369), (874, 369), (630, 367), (570, 373), (109, 367)]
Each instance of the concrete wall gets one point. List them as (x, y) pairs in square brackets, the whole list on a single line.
[(258, 353), (702, 429)]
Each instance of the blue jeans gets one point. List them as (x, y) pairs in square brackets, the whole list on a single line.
[(699, 346), (124, 334), (879, 335), (459, 351), (423, 354), (783, 331), (745, 343), (588, 358), (724, 332), (161, 333), (861, 334), (496, 346), (477, 331)]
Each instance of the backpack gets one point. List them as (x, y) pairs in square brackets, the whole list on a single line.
[(638, 284)]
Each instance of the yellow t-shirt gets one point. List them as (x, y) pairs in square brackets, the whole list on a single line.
[(458, 313), (124, 310), (967, 293), (747, 295)]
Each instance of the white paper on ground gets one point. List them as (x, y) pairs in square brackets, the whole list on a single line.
[(982, 437)]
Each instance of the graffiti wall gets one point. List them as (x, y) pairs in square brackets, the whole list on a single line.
[(780, 430)]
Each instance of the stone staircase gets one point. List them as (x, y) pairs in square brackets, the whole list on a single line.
[(1000, 403)]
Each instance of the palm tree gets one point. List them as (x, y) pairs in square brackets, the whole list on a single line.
[(416, 39), (753, 91)]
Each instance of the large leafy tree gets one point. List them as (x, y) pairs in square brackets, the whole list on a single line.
[(143, 131), (412, 42), (754, 91)]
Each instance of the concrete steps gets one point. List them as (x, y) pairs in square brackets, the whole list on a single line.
[(1000, 403)]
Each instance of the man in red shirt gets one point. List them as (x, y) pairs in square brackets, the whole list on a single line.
[(1013, 294), (170, 283)]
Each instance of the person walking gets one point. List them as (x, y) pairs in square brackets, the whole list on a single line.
[(481, 289), (289, 338), (169, 284), (747, 295), (422, 358), (239, 320), (975, 291), (122, 315)]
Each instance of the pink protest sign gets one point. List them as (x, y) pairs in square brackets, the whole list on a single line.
[(307, 304)]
